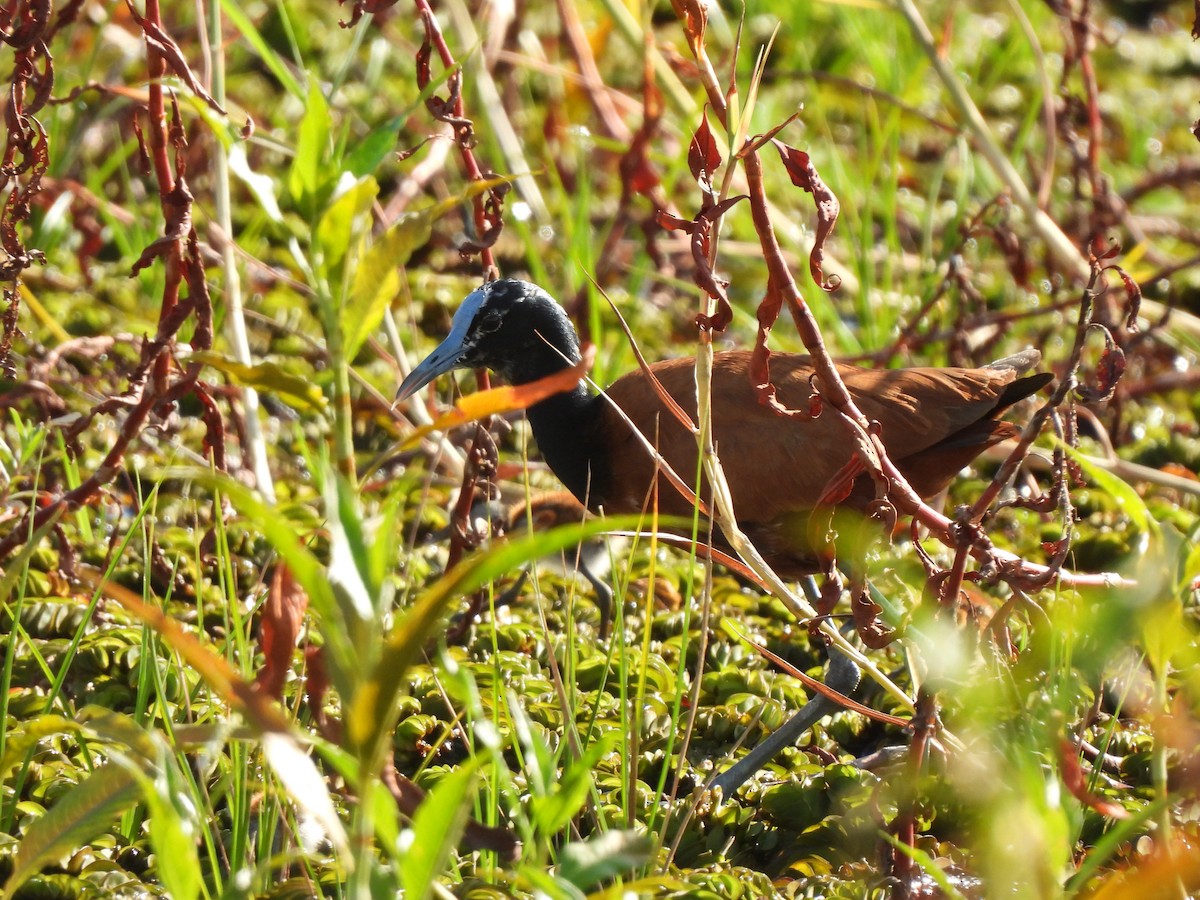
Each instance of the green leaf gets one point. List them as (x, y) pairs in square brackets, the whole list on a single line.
[(603, 856), (78, 816), (272, 60), (552, 813), (173, 828), (385, 815), (17, 745), (1121, 491), (437, 826), (267, 378), (349, 569), (340, 222), (118, 728), (377, 281), (381, 549), (308, 175), (1165, 631), (374, 148)]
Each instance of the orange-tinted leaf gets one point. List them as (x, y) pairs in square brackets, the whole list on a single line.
[(259, 712), (693, 15), (507, 398), (1076, 782), (1179, 471), (279, 628)]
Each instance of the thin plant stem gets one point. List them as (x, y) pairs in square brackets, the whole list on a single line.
[(235, 318)]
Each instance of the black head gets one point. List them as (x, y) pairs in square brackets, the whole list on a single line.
[(512, 327)]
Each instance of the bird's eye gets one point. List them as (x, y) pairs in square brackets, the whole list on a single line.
[(489, 322)]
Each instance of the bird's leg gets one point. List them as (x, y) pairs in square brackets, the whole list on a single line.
[(843, 676)]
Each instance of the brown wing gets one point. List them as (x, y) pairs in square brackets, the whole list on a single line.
[(777, 465)]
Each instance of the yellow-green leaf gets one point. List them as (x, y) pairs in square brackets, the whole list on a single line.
[(340, 222), (267, 378), (307, 174), (376, 281), (1121, 491), (506, 398), (76, 817)]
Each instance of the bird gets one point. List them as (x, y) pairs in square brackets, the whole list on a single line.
[(933, 421)]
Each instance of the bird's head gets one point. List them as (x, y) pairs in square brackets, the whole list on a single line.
[(512, 327)]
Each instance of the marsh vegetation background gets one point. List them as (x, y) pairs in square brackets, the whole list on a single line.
[(249, 613)]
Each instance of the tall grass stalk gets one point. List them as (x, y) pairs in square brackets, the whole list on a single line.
[(235, 318)]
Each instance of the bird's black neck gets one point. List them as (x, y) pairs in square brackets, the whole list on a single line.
[(564, 424), (565, 427)]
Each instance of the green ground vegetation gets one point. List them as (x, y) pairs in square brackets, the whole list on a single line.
[(238, 633)]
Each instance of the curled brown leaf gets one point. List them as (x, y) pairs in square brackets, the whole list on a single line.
[(804, 175)]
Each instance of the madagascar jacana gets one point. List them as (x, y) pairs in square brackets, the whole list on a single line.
[(934, 421)]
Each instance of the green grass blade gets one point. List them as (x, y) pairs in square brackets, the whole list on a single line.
[(436, 829), (272, 60)]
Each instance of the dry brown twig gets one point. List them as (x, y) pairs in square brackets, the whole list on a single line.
[(156, 384), (869, 451)]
